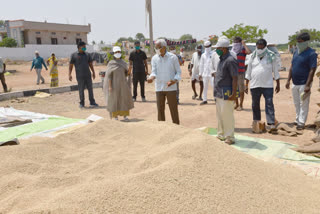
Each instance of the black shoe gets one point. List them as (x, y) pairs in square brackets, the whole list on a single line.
[(300, 127), (134, 99), (81, 106), (144, 99), (94, 105), (204, 103)]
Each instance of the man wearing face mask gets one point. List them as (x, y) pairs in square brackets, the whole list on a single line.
[(262, 70), (302, 70), (83, 63), (225, 90), (138, 61), (240, 49), (206, 70), (194, 72), (166, 72)]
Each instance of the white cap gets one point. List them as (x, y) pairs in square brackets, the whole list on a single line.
[(36, 52), (223, 42), (207, 43), (116, 49)]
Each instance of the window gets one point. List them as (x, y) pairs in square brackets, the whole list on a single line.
[(38, 41), (15, 33), (65, 38), (78, 41), (37, 33), (54, 41), (78, 34), (53, 33)]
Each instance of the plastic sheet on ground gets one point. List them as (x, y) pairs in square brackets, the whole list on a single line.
[(42, 125), (275, 151)]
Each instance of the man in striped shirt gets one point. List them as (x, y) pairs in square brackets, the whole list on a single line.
[(241, 51)]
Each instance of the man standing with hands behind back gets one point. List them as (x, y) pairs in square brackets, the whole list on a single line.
[(166, 72), (83, 63), (226, 78), (139, 66)]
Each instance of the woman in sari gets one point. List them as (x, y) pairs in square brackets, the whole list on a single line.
[(116, 87), (53, 66)]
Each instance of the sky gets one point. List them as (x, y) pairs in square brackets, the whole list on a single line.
[(111, 19)]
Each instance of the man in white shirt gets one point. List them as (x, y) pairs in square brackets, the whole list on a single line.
[(262, 69), (166, 72), (2, 78), (194, 72), (206, 71)]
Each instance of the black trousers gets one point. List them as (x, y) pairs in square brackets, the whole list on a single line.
[(3, 81), (83, 84), (139, 77)]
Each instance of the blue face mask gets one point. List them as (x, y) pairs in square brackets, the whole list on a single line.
[(137, 47), (84, 49)]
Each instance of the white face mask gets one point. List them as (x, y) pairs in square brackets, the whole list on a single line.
[(261, 52), (157, 51), (208, 50), (117, 55), (173, 51)]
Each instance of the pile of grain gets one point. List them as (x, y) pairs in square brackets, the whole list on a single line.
[(144, 167)]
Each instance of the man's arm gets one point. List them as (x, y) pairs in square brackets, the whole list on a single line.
[(146, 66), (234, 88), (289, 78), (32, 65), (4, 67), (130, 68), (44, 64), (153, 74), (92, 70), (70, 71), (276, 75), (248, 51)]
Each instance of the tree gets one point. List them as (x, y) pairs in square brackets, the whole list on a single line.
[(130, 39), (1, 23), (186, 37), (140, 37), (102, 42), (314, 34), (122, 39), (8, 42), (93, 42), (247, 32)]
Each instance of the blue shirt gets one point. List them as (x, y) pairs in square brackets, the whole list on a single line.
[(38, 62), (302, 64), (165, 69)]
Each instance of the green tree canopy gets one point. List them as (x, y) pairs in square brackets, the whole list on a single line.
[(247, 32), (122, 39), (1, 23), (186, 37), (93, 42), (8, 42), (130, 39), (314, 34), (140, 37)]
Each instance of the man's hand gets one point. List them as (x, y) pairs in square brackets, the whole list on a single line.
[(288, 85), (200, 77), (307, 89), (46, 69), (233, 97), (147, 73), (243, 42), (246, 89), (93, 75), (150, 80), (277, 89), (172, 82), (70, 78)]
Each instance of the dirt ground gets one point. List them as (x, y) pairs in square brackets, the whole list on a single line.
[(191, 113)]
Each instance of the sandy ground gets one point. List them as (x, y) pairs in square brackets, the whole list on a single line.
[(149, 167)]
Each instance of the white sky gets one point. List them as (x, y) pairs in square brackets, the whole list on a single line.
[(111, 19)]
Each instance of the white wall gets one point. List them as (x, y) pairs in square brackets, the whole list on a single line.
[(27, 53)]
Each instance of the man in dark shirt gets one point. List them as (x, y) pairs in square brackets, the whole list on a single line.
[(83, 63), (225, 90), (303, 68), (138, 61)]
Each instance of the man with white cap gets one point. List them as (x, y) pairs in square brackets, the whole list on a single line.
[(225, 90), (206, 71), (37, 65), (166, 72)]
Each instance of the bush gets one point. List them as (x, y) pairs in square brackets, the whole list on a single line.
[(8, 42)]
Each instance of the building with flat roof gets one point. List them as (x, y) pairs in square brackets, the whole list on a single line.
[(44, 33)]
